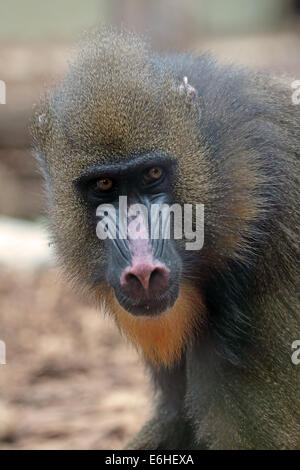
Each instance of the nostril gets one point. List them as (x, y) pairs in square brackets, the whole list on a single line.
[(158, 278), (154, 275), (132, 279), (144, 276)]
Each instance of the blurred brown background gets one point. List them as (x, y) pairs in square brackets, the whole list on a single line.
[(70, 380)]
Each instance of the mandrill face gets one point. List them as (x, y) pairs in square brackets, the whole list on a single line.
[(143, 264), (135, 219)]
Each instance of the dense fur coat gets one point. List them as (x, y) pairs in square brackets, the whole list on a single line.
[(230, 382)]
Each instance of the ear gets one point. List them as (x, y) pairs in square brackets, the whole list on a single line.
[(185, 89), (190, 95), (40, 130)]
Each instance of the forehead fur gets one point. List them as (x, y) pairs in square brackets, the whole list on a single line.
[(117, 99)]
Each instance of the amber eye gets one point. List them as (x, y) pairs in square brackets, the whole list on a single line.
[(105, 184), (153, 174)]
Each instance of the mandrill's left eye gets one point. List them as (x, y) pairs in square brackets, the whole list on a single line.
[(151, 175)]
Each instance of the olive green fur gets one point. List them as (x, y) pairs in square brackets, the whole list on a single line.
[(236, 142)]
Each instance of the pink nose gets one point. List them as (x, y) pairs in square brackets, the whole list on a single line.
[(145, 277)]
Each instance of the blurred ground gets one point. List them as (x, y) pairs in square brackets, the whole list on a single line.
[(70, 380)]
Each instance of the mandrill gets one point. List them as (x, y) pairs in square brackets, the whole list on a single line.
[(215, 324)]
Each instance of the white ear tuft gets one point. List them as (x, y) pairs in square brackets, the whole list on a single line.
[(186, 89)]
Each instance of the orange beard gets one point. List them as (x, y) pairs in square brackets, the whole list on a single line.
[(163, 338)]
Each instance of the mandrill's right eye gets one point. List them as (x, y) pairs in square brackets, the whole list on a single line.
[(104, 184), (94, 190)]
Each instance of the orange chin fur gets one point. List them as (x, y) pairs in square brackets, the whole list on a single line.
[(162, 338)]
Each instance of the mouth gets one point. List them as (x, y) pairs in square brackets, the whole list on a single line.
[(149, 307)]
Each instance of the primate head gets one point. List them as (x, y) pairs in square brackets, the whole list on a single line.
[(125, 126)]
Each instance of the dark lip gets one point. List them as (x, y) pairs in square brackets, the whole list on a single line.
[(148, 307)]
